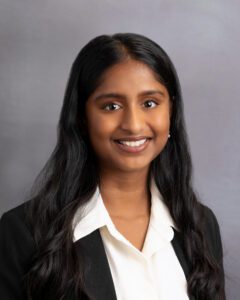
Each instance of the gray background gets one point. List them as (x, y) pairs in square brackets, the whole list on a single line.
[(38, 43)]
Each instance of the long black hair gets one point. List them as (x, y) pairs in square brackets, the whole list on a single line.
[(71, 175)]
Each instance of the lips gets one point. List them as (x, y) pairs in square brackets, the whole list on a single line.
[(132, 139), (133, 145)]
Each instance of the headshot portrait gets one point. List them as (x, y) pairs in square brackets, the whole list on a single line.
[(119, 165)]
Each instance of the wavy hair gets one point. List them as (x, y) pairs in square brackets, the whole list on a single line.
[(70, 177)]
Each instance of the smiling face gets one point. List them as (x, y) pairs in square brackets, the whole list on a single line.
[(129, 104)]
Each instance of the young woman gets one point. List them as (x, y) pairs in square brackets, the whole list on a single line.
[(114, 215)]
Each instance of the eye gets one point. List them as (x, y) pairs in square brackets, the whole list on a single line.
[(110, 106), (150, 102)]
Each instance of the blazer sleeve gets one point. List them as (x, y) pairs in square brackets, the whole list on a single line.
[(16, 249)]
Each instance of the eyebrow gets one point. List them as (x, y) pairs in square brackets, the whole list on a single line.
[(121, 96)]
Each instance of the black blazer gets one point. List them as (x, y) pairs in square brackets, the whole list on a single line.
[(17, 247)]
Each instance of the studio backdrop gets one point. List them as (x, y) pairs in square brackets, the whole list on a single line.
[(38, 43)]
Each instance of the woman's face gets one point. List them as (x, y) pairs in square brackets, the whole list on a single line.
[(128, 105)]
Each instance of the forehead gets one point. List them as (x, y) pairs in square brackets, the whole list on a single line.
[(129, 73)]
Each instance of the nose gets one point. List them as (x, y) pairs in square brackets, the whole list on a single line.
[(132, 120)]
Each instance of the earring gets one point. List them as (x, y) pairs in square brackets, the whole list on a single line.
[(169, 135)]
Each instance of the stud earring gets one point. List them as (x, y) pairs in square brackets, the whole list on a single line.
[(169, 135)]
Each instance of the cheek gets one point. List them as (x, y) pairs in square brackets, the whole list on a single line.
[(161, 122), (100, 127)]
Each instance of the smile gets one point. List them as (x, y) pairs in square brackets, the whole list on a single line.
[(133, 146)]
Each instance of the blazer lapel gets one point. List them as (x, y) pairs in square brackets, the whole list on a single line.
[(178, 247), (97, 273)]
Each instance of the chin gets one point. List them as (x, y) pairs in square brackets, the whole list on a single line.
[(133, 167)]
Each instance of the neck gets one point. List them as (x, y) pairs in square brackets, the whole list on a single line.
[(125, 194)]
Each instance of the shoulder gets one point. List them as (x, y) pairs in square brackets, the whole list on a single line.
[(16, 251), (210, 222), (14, 220), (211, 232), (15, 237)]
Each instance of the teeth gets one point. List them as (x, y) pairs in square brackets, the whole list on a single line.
[(133, 144)]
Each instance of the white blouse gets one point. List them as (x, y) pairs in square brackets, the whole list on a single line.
[(153, 273)]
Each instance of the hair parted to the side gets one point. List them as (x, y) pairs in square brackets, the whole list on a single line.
[(70, 177)]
